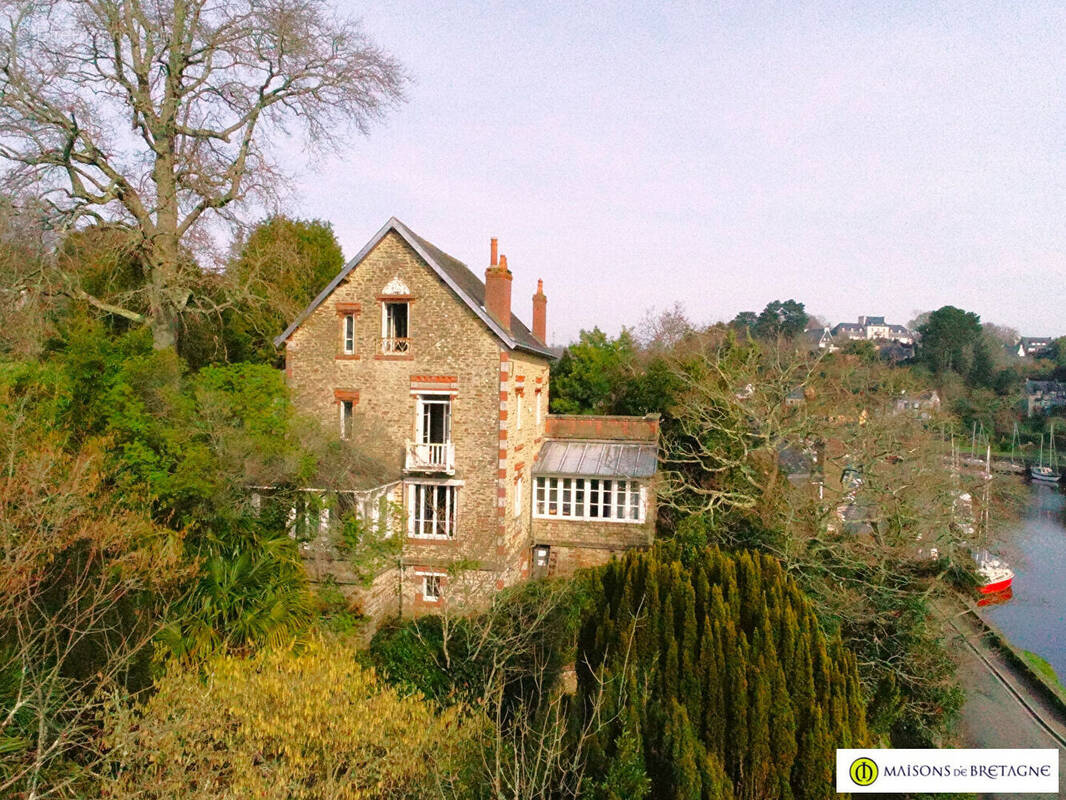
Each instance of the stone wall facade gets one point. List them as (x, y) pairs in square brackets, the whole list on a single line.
[(576, 544), (449, 350), (524, 379), (499, 397)]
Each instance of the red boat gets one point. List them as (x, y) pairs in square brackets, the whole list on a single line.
[(993, 575)]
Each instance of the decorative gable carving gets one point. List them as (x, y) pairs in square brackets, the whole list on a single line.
[(396, 287)]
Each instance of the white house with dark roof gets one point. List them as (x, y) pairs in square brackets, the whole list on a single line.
[(872, 329)]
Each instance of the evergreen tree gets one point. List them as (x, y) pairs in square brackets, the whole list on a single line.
[(733, 690)]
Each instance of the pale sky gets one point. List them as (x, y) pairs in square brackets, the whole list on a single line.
[(863, 158)]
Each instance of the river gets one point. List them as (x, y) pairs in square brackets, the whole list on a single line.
[(1034, 618)]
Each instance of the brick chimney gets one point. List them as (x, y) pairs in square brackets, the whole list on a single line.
[(540, 313), (498, 288)]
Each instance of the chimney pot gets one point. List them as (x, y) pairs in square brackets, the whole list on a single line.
[(498, 289), (540, 313), (492, 252)]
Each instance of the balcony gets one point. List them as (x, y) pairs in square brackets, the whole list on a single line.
[(395, 346), (430, 457)]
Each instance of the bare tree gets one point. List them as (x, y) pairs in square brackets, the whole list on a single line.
[(160, 114), (832, 465)]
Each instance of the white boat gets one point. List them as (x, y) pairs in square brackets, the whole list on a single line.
[(1046, 473)]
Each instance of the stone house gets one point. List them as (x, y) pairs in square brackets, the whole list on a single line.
[(407, 351)]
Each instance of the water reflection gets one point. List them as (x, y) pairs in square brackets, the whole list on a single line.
[(996, 598)]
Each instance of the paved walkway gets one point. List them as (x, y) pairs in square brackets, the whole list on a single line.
[(993, 716)]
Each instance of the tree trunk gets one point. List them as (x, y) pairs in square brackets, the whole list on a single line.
[(163, 258)]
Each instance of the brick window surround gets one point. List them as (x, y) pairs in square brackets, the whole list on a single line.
[(346, 400), (430, 585), (393, 347), (347, 314)]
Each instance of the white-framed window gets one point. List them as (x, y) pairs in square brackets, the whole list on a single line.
[(606, 499), (395, 327), (348, 322), (431, 510), (434, 422), (518, 411), (540, 396), (432, 587), (518, 487), (347, 410)]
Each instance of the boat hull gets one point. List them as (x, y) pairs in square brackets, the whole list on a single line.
[(998, 586), (1052, 478)]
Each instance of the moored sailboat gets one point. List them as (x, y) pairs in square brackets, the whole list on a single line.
[(1046, 473)]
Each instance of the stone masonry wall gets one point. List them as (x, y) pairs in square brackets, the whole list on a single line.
[(447, 342), (583, 543), (451, 347), (522, 378)]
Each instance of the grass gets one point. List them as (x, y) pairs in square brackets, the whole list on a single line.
[(1044, 668)]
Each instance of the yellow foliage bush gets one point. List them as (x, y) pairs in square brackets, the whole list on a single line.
[(289, 723)]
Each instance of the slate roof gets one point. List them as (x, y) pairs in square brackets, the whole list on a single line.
[(459, 278), (597, 459), (849, 327), (1034, 344)]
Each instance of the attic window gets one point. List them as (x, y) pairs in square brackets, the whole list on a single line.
[(395, 330)]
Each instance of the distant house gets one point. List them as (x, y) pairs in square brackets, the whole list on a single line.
[(1034, 346), (873, 329), (923, 404), (895, 351), (822, 339), (797, 397), (845, 331), (1042, 396)]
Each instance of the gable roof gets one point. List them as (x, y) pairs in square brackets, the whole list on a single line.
[(455, 274)]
